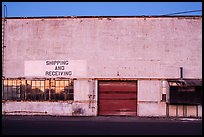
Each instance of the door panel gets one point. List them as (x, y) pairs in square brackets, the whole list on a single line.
[(117, 98)]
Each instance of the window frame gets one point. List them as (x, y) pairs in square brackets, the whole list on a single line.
[(27, 89)]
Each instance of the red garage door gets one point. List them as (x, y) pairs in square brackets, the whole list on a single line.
[(118, 98)]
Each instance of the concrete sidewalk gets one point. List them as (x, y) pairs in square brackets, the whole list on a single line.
[(100, 118)]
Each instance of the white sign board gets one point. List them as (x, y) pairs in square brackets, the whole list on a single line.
[(55, 68)]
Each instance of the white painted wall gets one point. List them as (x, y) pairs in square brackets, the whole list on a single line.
[(149, 98), (200, 111), (37, 108), (137, 47)]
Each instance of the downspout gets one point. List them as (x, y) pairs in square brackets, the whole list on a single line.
[(181, 72)]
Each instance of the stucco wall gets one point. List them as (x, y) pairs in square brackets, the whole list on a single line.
[(131, 47)]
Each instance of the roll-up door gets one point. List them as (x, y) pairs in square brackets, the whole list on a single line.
[(118, 98)]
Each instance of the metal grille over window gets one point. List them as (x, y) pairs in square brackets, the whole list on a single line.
[(40, 90)]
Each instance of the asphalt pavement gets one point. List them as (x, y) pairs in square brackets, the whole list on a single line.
[(100, 125)]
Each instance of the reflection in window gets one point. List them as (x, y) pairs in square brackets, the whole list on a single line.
[(16, 89), (36, 90), (64, 90), (11, 89)]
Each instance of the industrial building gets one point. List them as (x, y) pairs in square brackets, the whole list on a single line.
[(102, 66)]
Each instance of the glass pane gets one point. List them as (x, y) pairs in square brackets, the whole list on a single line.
[(22, 90), (5, 82), (173, 84), (18, 92), (71, 82), (42, 83), (29, 82), (70, 97), (42, 89), (53, 88), (23, 82), (5, 92), (61, 89), (57, 83), (18, 82), (14, 82), (46, 82), (10, 92), (37, 83), (52, 83), (62, 84), (33, 83), (10, 82), (66, 83), (57, 89)]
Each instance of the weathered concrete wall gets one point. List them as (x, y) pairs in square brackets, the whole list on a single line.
[(36, 108), (149, 98), (131, 47), (142, 47), (85, 93), (47, 108)]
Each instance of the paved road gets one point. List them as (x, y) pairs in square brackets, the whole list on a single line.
[(50, 125)]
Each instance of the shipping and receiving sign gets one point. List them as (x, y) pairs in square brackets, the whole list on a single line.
[(55, 68)]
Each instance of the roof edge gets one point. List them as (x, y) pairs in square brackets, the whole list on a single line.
[(193, 16)]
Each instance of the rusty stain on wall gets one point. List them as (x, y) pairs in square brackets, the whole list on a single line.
[(77, 111)]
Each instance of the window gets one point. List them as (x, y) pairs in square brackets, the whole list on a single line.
[(15, 89), (11, 90), (36, 91), (64, 90), (163, 99), (185, 92)]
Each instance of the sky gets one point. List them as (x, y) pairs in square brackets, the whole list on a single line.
[(37, 9)]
